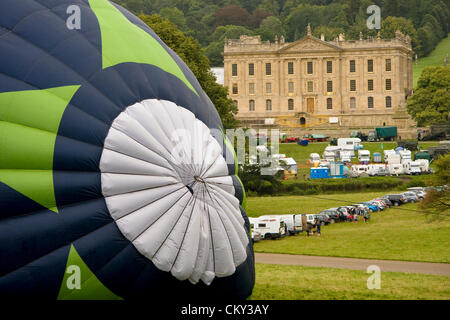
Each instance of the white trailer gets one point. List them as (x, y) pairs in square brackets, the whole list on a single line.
[(375, 168), (360, 169), (331, 153), (314, 159), (393, 159), (424, 165), (405, 155), (348, 142), (387, 153), (395, 169), (411, 167), (345, 156), (271, 227), (293, 223), (364, 156)]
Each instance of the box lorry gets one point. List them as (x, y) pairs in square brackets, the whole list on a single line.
[(383, 133)]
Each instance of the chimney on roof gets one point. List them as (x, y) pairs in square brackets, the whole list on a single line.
[(322, 37)]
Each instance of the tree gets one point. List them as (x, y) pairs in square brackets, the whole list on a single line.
[(232, 15), (391, 24), (271, 27), (175, 16), (437, 202), (430, 104), (189, 50)]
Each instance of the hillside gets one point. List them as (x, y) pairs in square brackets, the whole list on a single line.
[(436, 58), (211, 21)]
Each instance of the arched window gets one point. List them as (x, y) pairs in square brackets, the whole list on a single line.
[(388, 102), (302, 121), (291, 104), (269, 105), (329, 103), (251, 105)]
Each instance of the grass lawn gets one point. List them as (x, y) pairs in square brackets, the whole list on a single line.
[(277, 282), (393, 234), (301, 154), (436, 58)]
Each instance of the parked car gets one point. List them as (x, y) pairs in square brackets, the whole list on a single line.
[(323, 218), (333, 215), (411, 196), (397, 199), (346, 214), (256, 236), (380, 204), (372, 207), (386, 202)]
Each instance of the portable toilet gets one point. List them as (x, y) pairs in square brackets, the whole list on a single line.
[(319, 173), (337, 170), (377, 157)]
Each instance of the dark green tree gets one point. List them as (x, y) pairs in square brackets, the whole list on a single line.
[(430, 103)]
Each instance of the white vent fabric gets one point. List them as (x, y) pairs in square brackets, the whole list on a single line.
[(167, 187)]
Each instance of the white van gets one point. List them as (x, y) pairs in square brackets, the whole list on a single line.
[(293, 223), (364, 156), (271, 227), (395, 169)]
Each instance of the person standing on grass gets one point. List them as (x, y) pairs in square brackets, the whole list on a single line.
[(365, 216), (308, 228), (318, 226)]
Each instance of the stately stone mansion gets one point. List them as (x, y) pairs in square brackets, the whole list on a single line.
[(314, 83)]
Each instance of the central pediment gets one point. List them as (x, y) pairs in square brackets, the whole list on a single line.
[(309, 43)]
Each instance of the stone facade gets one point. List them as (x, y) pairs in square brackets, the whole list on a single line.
[(313, 83)]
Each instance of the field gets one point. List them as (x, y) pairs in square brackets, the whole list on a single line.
[(276, 282), (436, 58), (402, 233)]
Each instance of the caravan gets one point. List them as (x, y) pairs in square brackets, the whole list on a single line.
[(346, 156), (293, 223), (271, 227), (377, 170), (411, 167), (331, 153), (395, 169), (349, 144), (359, 170), (424, 165), (405, 155), (387, 153), (364, 156), (314, 159)]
